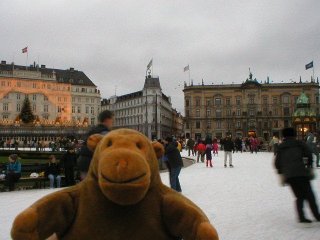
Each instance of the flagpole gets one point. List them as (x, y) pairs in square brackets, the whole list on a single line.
[(313, 70), (189, 76)]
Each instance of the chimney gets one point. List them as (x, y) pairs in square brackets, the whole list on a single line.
[(43, 66), (71, 69), (3, 62)]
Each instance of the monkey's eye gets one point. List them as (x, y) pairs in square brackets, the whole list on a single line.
[(139, 145), (109, 144)]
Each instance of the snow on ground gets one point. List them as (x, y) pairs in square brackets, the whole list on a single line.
[(244, 203)]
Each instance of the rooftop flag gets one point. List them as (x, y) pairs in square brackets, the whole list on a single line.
[(309, 65), (186, 68), (149, 64), (25, 50)]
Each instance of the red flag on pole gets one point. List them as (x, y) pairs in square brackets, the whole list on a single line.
[(24, 50)]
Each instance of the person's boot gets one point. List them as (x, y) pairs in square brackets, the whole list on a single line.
[(306, 223), (225, 165), (231, 165), (207, 163)]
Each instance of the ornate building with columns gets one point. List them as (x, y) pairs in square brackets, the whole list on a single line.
[(251, 108)]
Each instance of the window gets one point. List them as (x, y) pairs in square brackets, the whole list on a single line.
[(3, 84), (285, 99), (5, 106), (198, 113), (238, 124), (286, 111), (265, 100), (251, 112), (218, 124), (6, 96), (187, 113), (274, 100), (73, 109), (34, 85), (198, 102), (275, 124), (238, 101), (92, 121), (5, 117), (286, 123), (79, 109), (251, 99), (208, 102), (238, 112), (209, 124), (275, 112), (59, 109), (197, 124), (218, 113), (87, 109), (45, 98), (18, 84), (18, 96), (18, 107), (228, 102), (228, 112), (92, 110), (208, 112), (217, 101), (265, 125), (45, 108)]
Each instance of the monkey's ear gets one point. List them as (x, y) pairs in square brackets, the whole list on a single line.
[(158, 149), (93, 141)]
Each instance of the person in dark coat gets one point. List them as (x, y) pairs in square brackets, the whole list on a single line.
[(53, 172), (175, 162), (69, 161), (228, 149), (85, 155), (296, 171)]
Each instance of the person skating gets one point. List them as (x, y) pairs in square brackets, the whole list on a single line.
[(201, 148), (297, 172), (228, 148), (215, 147), (208, 154), (69, 161), (105, 124), (13, 171), (175, 162), (190, 146)]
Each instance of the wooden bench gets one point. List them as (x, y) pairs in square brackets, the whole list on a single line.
[(26, 181)]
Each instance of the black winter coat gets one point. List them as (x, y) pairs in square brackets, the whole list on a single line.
[(85, 155), (228, 145), (173, 154), (53, 168), (290, 158), (69, 160)]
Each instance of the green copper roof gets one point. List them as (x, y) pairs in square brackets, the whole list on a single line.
[(303, 99)]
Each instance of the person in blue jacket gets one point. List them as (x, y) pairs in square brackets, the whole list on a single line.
[(13, 171)]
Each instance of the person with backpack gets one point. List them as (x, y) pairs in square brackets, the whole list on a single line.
[(293, 162)]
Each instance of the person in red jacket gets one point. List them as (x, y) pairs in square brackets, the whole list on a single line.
[(201, 149)]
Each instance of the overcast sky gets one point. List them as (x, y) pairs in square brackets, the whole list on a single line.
[(113, 41)]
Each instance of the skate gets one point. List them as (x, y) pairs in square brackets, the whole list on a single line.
[(231, 165), (306, 223), (225, 165)]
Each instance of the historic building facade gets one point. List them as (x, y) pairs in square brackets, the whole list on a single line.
[(148, 111), (68, 96), (65, 102), (250, 108)]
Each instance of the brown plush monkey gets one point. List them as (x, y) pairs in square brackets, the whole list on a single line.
[(122, 198)]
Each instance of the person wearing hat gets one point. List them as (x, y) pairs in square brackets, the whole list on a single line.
[(13, 171), (293, 162)]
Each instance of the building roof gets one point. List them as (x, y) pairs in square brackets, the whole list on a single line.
[(70, 75)]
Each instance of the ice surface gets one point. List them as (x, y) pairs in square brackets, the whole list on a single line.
[(244, 203)]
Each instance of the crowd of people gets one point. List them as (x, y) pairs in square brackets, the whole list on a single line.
[(293, 160)]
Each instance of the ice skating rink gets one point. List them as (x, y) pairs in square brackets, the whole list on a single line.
[(244, 203)]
